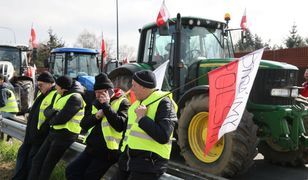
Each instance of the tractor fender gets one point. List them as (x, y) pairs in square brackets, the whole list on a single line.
[(22, 78), (192, 92), (127, 69)]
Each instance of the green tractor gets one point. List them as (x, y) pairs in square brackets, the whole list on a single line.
[(272, 123)]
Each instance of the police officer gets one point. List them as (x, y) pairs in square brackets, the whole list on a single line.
[(37, 126), (147, 142), (104, 125), (66, 113)]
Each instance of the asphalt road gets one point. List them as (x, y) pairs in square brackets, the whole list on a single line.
[(265, 171)]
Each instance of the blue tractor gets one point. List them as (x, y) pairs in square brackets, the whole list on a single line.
[(82, 64)]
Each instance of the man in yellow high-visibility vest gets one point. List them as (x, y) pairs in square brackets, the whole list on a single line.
[(104, 126), (66, 114), (37, 125), (146, 146)]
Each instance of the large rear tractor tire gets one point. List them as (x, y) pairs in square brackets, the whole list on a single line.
[(25, 94), (234, 152), (276, 155)]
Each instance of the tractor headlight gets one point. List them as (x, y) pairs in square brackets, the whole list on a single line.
[(280, 92), (294, 92), (284, 92)]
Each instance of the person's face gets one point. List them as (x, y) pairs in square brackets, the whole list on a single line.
[(100, 92), (59, 89), (1, 81), (43, 86), (140, 91)]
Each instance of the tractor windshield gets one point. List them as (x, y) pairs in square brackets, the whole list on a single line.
[(77, 64), (197, 43), (12, 55)]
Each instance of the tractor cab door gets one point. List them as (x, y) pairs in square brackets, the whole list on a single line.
[(157, 50), (57, 64)]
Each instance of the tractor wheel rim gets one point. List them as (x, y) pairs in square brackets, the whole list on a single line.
[(197, 132)]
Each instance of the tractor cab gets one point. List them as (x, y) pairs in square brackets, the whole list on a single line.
[(74, 62), (186, 42), (79, 63)]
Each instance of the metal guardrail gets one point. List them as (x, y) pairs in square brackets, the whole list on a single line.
[(18, 130)]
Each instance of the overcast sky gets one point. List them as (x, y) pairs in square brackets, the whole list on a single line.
[(68, 18)]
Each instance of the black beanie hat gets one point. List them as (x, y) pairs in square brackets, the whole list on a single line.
[(102, 82), (65, 82), (145, 78), (46, 77)]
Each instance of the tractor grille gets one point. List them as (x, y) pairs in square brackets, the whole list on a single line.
[(267, 79)]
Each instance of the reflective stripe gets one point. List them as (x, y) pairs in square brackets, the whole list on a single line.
[(9, 101), (75, 121), (13, 106), (105, 124), (143, 136), (129, 126), (111, 138)]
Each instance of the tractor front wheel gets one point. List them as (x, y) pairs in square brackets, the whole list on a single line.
[(231, 155)]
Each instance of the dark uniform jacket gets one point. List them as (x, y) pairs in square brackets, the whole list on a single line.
[(95, 140), (33, 135), (160, 130), (72, 106)]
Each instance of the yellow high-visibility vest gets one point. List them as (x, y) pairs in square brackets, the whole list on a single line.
[(136, 138), (73, 125), (11, 105), (111, 136), (44, 104)]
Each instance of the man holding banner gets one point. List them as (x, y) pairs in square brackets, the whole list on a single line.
[(147, 141)]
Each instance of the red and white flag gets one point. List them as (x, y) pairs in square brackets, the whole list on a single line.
[(103, 48), (244, 21), (230, 87), (163, 15), (125, 61), (33, 38)]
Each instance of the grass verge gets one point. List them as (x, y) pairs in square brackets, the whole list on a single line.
[(8, 154)]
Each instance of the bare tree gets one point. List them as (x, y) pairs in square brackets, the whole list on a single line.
[(128, 52), (87, 40)]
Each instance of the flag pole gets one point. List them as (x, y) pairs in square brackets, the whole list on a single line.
[(117, 16)]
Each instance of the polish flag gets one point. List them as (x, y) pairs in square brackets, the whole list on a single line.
[(103, 48), (125, 61), (163, 15), (230, 87), (33, 38), (244, 21)]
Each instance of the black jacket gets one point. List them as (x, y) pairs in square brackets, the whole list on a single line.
[(160, 130), (72, 106), (33, 135), (95, 141), (4, 94)]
